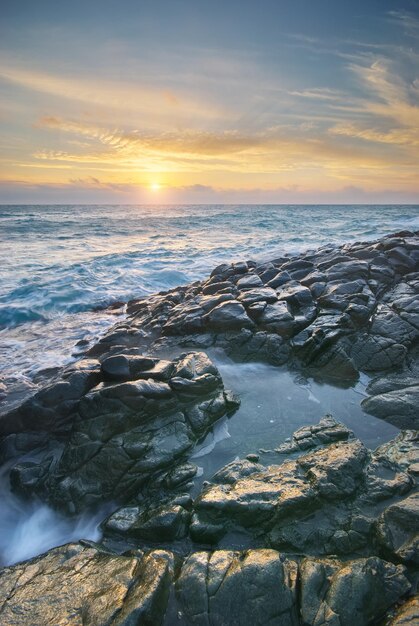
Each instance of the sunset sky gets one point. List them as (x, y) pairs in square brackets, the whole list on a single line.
[(138, 101)]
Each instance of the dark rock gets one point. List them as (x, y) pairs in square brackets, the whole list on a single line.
[(400, 407), (213, 288), (166, 522), (124, 433), (228, 316), (358, 592), (375, 353), (251, 296), (328, 430), (233, 588), (280, 279), (250, 281), (277, 318), (406, 615), (397, 529), (325, 502)]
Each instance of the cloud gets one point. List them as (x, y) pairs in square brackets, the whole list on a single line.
[(319, 94), (94, 191), (135, 97)]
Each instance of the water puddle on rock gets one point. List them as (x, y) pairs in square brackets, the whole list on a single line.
[(274, 403)]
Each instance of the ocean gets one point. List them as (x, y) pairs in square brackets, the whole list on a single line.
[(61, 266)]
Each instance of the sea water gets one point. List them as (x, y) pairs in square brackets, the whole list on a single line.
[(61, 266)]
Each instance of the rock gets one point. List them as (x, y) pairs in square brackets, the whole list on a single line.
[(211, 289), (400, 407), (251, 296), (342, 594), (326, 431), (397, 529), (228, 316), (277, 318), (403, 451), (166, 522), (250, 281), (233, 588), (77, 584), (125, 433), (375, 353), (324, 502), (253, 458), (338, 470), (406, 615)]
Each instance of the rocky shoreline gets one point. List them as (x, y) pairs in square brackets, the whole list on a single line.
[(328, 534)]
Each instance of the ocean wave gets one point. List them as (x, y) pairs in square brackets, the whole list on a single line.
[(64, 261)]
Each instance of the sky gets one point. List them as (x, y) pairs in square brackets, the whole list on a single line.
[(180, 101)]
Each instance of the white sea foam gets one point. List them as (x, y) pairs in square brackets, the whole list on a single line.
[(58, 263), (29, 528), (218, 433)]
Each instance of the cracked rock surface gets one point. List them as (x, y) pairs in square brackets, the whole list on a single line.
[(136, 423), (326, 534)]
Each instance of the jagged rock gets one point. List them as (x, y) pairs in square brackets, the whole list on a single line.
[(228, 316), (375, 353), (328, 430), (157, 523), (254, 588), (251, 296), (397, 529), (49, 409), (343, 594), (77, 584), (403, 451), (124, 433), (324, 502), (406, 615), (250, 281)]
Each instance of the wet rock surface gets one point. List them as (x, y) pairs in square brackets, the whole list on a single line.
[(120, 435), (224, 587), (77, 584), (326, 532), (339, 499), (334, 312)]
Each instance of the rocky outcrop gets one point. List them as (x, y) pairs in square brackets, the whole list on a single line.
[(80, 584), (331, 529), (333, 312), (138, 422), (254, 587), (339, 499), (395, 399), (355, 592)]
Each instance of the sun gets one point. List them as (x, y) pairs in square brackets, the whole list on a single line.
[(155, 187)]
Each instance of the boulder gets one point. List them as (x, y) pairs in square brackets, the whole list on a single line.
[(255, 588), (125, 433), (82, 584), (343, 594)]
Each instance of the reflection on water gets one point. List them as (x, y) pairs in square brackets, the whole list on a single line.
[(274, 403)]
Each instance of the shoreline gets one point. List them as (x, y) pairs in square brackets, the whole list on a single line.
[(120, 423)]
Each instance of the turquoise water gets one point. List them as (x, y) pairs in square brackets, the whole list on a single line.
[(60, 263)]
